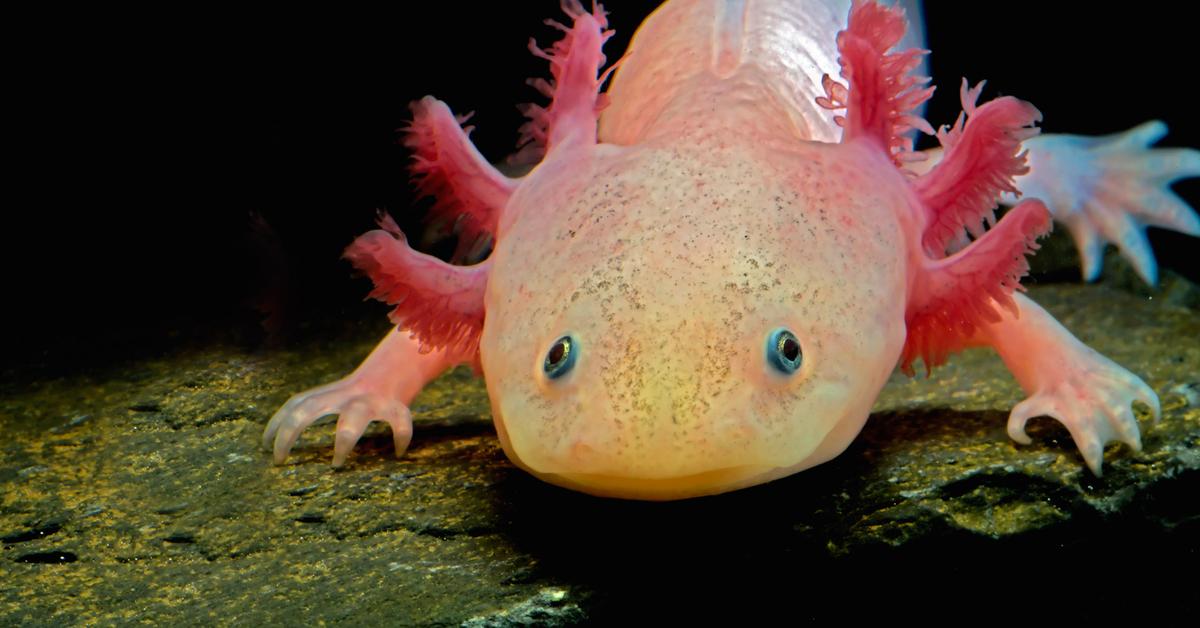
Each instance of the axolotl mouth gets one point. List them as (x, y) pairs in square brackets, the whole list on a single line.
[(664, 476), (628, 483), (708, 482)]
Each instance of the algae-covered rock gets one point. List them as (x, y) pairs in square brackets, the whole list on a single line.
[(140, 494)]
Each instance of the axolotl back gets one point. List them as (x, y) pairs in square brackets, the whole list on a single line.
[(698, 287)]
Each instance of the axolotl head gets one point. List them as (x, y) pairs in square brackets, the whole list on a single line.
[(666, 323)]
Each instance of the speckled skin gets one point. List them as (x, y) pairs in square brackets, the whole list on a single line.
[(707, 207), (690, 252)]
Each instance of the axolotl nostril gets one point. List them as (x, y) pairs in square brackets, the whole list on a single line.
[(714, 267)]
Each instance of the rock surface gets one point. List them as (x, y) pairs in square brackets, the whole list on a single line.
[(139, 493)]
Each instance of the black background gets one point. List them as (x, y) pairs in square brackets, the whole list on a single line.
[(144, 142)]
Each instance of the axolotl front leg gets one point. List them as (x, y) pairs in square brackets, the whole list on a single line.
[(1065, 379), (439, 312), (967, 296), (380, 389), (439, 307)]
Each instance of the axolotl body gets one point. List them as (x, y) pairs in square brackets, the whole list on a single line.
[(714, 267)]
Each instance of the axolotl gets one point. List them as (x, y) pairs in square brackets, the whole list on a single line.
[(716, 264)]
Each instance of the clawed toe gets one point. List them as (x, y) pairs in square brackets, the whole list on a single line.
[(356, 409), (1095, 412)]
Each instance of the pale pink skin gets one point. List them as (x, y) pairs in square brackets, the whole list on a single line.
[(712, 211)]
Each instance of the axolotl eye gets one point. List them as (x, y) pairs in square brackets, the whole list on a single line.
[(561, 357), (783, 351)]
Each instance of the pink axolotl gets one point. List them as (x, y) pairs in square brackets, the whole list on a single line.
[(710, 274)]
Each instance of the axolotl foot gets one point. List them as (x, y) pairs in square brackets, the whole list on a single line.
[(1093, 400), (1109, 189), (355, 403), (1065, 379), (381, 389)]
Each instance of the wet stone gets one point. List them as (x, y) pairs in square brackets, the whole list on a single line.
[(1190, 392), (73, 422), (31, 534), (168, 512), (47, 558), (172, 509)]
